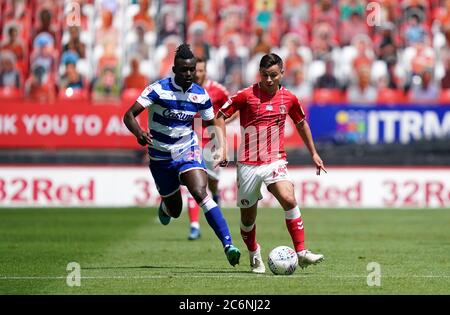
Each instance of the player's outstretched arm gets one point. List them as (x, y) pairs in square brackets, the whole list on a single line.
[(232, 118), (219, 131), (305, 132), (129, 119)]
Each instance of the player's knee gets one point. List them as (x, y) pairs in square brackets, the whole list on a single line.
[(288, 202), (174, 208), (247, 221), (199, 193), (175, 214)]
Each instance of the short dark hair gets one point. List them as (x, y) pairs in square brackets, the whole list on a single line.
[(184, 52), (201, 59), (269, 60)]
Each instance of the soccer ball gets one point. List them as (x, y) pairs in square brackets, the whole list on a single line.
[(283, 260)]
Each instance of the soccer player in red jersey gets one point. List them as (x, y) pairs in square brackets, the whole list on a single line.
[(263, 108), (219, 96)]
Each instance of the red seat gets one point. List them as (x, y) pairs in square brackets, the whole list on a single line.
[(11, 93), (130, 95), (327, 96), (444, 98), (72, 94), (391, 96)]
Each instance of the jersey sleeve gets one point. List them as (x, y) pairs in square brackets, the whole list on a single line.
[(207, 111), (233, 104), (148, 96), (296, 111), (205, 107), (224, 96)]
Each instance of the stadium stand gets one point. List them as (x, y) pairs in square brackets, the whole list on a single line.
[(101, 51), (97, 34)]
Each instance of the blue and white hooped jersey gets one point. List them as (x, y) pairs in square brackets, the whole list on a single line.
[(170, 116)]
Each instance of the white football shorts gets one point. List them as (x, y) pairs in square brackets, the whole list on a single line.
[(251, 177), (212, 172)]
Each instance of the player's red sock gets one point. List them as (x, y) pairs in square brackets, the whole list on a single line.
[(248, 234), (193, 211), (294, 225)]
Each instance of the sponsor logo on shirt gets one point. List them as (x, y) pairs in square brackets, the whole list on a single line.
[(178, 116)]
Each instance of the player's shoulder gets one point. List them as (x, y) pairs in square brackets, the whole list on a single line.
[(159, 85), (198, 89), (152, 88), (198, 95), (216, 85), (249, 90)]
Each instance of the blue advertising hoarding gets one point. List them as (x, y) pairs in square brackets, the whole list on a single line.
[(406, 123)]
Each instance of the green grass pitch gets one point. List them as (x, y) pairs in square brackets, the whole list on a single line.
[(126, 251)]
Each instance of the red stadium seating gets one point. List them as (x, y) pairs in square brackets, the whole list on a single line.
[(391, 96), (445, 97), (73, 94), (327, 96), (10, 93), (130, 95)]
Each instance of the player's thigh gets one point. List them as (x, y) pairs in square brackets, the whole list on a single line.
[(283, 191), (278, 182), (165, 177), (249, 185), (174, 203), (196, 181)]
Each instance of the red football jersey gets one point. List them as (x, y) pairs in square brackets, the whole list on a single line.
[(219, 96), (263, 118)]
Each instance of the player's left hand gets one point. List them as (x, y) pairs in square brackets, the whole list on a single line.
[(319, 164)]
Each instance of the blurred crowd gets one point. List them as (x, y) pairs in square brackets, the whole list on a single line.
[(353, 51)]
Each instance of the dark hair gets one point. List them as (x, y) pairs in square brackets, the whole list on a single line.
[(184, 52), (269, 60), (11, 29), (201, 59)]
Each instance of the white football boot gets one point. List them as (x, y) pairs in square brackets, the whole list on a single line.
[(306, 258), (256, 262)]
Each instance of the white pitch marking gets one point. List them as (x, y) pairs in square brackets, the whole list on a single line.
[(213, 276)]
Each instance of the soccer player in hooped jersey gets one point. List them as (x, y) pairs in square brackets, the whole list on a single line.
[(263, 108), (175, 157), (219, 95)]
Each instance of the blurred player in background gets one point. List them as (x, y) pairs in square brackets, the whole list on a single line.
[(175, 157), (219, 96), (263, 108)]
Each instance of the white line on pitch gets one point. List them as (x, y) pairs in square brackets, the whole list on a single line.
[(212, 276)]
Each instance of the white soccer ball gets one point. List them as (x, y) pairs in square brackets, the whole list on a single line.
[(283, 260)]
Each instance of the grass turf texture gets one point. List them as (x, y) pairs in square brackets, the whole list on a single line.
[(127, 251)]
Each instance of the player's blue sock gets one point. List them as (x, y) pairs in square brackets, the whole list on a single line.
[(216, 198), (216, 220)]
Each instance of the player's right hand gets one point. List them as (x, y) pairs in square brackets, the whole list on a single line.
[(144, 139), (319, 164), (220, 159)]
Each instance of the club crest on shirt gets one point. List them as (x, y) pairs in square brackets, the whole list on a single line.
[(282, 109), (269, 107), (147, 90)]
